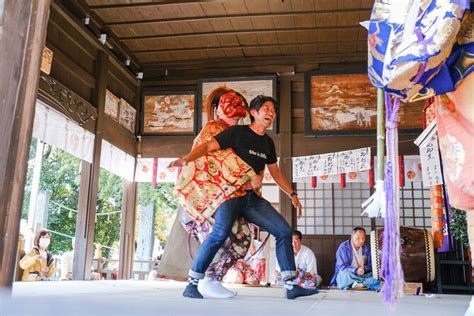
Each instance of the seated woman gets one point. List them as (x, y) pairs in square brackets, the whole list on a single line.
[(38, 264)]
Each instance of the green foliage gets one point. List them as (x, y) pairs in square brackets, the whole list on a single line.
[(109, 205), (60, 176), (165, 206), (458, 226)]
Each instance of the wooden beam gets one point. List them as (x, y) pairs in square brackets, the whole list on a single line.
[(70, 66), (146, 4), (286, 208), (90, 37), (79, 260), (127, 230), (296, 14), (85, 224), (220, 48), (239, 32), (165, 146), (23, 26), (225, 63)]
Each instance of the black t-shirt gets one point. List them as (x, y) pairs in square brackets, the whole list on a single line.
[(254, 149)]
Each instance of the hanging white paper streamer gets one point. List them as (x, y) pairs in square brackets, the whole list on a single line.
[(55, 129)]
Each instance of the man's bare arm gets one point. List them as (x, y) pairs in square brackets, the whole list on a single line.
[(285, 186)]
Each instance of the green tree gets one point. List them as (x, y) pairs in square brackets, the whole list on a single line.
[(109, 206), (60, 175), (165, 206)]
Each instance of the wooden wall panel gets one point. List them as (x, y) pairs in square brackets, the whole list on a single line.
[(73, 60), (324, 247), (119, 136)]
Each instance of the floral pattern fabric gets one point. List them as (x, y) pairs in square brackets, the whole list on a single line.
[(203, 186), (410, 46), (455, 123)]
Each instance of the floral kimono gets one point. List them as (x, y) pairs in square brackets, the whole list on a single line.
[(202, 186)]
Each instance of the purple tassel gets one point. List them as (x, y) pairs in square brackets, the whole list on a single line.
[(392, 272)]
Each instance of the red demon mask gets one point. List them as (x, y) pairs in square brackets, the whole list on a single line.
[(232, 105)]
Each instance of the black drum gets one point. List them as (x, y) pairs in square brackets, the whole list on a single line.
[(417, 257)]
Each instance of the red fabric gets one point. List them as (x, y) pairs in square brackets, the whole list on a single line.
[(155, 172), (371, 173), (437, 218), (401, 170), (314, 182), (342, 180), (429, 113)]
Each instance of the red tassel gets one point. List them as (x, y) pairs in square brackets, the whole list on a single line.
[(401, 170), (342, 180), (314, 182), (155, 172), (371, 173)]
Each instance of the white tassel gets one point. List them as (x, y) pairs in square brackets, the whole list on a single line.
[(374, 206)]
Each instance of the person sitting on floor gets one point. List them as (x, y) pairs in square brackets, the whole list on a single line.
[(353, 264), (305, 261)]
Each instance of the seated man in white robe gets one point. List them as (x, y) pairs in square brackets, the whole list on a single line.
[(305, 261)]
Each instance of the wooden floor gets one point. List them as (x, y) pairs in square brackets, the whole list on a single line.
[(107, 298)]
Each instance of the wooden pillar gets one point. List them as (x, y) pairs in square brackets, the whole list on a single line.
[(127, 230), (285, 145), (22, 35), (85, 224)]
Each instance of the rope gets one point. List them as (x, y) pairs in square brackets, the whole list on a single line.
[(392, 272)]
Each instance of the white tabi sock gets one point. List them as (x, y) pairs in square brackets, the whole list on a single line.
[(214, 289)]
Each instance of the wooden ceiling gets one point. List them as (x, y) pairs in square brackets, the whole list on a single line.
[(164, 36)]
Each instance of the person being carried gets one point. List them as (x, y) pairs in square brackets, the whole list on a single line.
[(305, 261), (202, 186), (353, 264), (256, 148)]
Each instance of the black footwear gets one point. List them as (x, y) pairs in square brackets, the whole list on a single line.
[(298, 291), (191, 291)]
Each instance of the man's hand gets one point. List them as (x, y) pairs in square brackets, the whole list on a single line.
[(256, 181), (360, 271), (296, 203), (177, 163)]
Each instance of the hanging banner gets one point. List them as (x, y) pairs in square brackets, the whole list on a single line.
[(429, 154), (53, 128), (144, 170), (353, 160), (412, 168), (347, 161), (315, 165)]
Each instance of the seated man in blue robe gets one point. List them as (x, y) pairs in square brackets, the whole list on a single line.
[(353, 264)]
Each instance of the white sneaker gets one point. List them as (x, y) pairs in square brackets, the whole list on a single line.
[(214, 289)]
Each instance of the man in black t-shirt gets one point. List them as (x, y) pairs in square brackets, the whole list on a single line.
[(256, 148)]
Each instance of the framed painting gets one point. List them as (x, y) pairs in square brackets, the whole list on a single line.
[(249, 87), (127, 116), (112, 105), (170, 113), (345, 103)]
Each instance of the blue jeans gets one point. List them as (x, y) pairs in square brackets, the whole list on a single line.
[(257, 211)]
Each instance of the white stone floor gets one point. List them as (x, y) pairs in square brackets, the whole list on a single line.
[(111, 298)]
